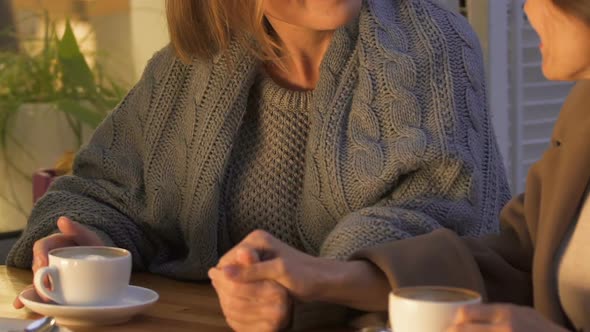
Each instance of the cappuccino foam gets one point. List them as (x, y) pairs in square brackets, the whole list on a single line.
[(89, 257), (437, 294), (89, 253)]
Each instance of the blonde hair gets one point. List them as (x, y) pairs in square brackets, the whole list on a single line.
[(204, 28)]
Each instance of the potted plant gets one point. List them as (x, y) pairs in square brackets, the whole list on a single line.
[(50, 102)]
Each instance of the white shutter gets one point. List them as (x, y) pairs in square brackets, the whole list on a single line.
[(523, 104)]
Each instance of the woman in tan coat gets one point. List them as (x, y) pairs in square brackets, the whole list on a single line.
[(539, 260)]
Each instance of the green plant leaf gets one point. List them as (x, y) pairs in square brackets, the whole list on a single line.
[(76, 72), (79, 112), (57, 74)]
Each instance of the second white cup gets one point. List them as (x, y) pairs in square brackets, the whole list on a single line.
[(428, 308)]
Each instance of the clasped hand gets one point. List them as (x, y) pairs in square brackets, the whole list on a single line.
[(258, 280)]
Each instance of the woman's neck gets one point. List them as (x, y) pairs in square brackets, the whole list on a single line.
[(304, 50)]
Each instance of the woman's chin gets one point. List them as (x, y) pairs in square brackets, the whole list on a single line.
[(556, 74)]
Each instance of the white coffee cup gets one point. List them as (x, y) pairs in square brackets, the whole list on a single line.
[(85, 276), (427, 308)]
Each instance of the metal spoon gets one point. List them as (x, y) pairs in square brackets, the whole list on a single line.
[(45, 324), (375, 329)]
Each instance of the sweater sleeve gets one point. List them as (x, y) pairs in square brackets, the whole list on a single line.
[(449, 192), (106, 191), (458, 183)]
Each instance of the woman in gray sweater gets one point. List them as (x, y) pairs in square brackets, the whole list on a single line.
[(331, 125)]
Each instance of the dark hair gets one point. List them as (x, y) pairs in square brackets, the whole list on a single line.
[(577, 8)]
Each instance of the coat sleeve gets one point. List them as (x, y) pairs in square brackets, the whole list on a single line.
[(497, 266)]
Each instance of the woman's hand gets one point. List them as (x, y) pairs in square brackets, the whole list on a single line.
[(294, 270), (252, 306), (71, 234), (308, 278), (501, 318)]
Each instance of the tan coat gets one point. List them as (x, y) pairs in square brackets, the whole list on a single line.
[(519, 265)]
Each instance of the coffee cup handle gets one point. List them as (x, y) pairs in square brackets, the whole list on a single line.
[(53, 274)]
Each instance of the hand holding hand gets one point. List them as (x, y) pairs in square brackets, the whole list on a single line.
[(253, 306), (307, 278), (296, 271)]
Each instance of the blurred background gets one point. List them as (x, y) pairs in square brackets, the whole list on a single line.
[(64, 64), (56, 86)]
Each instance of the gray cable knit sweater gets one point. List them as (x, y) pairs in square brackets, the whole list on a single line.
[(399, 144)]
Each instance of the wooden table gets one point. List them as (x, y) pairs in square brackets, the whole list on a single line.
[(182, 306)]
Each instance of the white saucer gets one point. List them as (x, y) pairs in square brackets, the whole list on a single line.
[(136, 300)]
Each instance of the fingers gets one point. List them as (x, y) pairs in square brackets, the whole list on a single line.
[(246, 256), (251, 249), (246, 327), (79, 234), (479, 328), (271, 317), (261, 241), (261, 306), (72, 233), (17, 304), (254, 292), (268, 270), (242, 254), (42, 247), (501, 318), (242, 310), (481, 314)]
